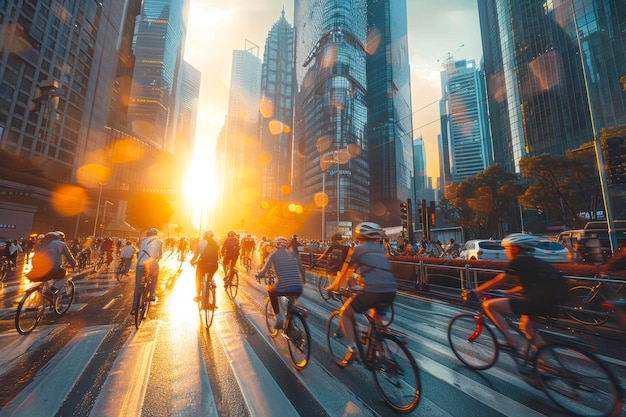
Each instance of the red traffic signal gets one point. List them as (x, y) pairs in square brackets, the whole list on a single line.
[(403, 211)]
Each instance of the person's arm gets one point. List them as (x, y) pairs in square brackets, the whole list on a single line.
[(68, 255), (346, 271), (498, 280)]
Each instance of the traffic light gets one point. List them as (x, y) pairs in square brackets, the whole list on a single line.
[(404, 213), (432, 213)]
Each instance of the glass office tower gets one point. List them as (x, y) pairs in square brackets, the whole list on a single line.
[(331, 111)]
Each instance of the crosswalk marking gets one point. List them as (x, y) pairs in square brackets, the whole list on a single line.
[(46, 393), (125, 387)]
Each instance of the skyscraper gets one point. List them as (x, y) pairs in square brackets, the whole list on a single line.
[(389, 113), (276, 112), (464, 120), (158, 46)]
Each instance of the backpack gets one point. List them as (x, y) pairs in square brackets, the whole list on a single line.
[(556, 284), (210, 254)]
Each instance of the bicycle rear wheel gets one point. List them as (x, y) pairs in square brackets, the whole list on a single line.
[(270, 318), (335, 339), (233, 286), (143, 306), (100, 264), (322, 282), (577, 381), (29, 311), (474, 344), (64, 299), (299, 341), (119, 272), (207, 305), (396, 373), (585, 307)]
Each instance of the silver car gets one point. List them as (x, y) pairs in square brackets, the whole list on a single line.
[(552, 251)]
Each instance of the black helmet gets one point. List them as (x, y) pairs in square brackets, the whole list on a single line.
[(231, 234), (208, 234)]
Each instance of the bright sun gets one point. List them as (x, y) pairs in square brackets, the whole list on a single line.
[(200, 188)]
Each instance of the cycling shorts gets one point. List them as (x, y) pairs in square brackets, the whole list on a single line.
[(366, 300), (524, 306)]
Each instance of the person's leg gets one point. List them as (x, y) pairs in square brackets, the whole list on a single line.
[(347, 323), (528, 326), (495, 309), (154, 276)]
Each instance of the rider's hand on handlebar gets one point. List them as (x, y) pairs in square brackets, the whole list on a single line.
[(469, 295), (258, 278)]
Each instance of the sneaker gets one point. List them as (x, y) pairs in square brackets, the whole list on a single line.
[(197, 298), (279, 324), (352, 354), (152, 298)]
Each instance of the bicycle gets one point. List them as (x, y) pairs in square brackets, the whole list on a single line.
[(572, 377), (584, 303), (120, 271), (246, 261), (5, 267), (231, 282), (207, 303), (101, 263), (82, 260), (383, 351), (295, 329), (143, 302), (37, 298), (387, 313)]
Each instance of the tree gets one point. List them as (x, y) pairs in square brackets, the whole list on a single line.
[(146, 210), (567, 185), (484, 203)]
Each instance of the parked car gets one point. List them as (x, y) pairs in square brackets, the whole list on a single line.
[(483, 249), (552, 251), (591, 244)]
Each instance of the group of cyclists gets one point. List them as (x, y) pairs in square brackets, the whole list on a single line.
[(367, 259)]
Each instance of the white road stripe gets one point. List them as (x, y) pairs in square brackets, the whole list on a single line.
[(45, 395), (124, 390)]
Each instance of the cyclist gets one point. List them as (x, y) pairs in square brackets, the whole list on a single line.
[(127, 256), (47, 259), (230, 253), (294, 245), (247, 246), (334, 255), (205, 258), (265, 248), (289, 276), (453, 249), (371, 262), (150, 252), (541, 285)]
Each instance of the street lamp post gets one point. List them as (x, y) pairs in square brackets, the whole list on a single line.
[(104, 215), (95, 222)]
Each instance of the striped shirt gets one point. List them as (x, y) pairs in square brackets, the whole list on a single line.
[(288, 268)]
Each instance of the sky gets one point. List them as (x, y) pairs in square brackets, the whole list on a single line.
[(437, 29)]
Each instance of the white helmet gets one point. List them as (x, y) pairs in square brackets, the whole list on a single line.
[(281, 242), (368, 230), (521, 240)]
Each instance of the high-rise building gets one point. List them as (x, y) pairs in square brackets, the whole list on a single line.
[(420, 178), (158, 46), (535, 82), (464, 125), (389, 112), (276, 112)]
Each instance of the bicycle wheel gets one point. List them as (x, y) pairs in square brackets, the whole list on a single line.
[(270, 318), (299, 341), (585, 306), (143, 306), (29, 311), (335, 339), (396, 373), (4, 271), (474, 344), (100, 264), (64, 299), (207, 305), (233, 285), (577, 381), (322, 282)]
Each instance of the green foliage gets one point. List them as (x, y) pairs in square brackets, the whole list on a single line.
[(146, 210), (482, 204)]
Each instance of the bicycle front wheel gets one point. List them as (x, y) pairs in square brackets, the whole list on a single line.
[(335, 339), (233, 287), (29, 311), (472, 342), (323, 282), (299, 341), (577, 381), (585, 307), (396, 373), (64, 299), (270, 318)]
